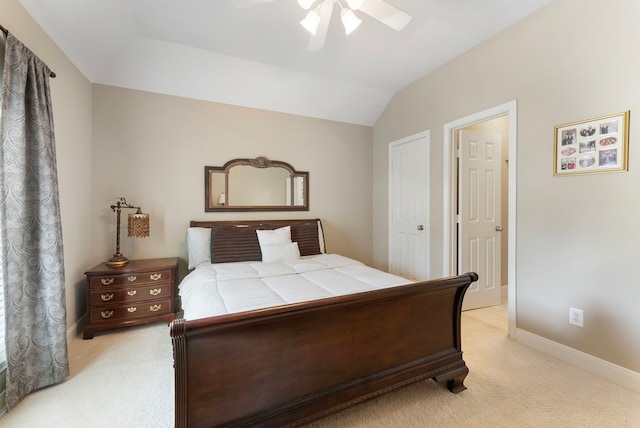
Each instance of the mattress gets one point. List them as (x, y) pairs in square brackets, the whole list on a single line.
[(224, 288)]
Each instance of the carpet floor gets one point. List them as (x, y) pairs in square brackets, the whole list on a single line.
[(124, 379)]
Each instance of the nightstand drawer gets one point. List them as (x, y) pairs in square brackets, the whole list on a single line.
[(133, 294), (126, 280), (132, 310)]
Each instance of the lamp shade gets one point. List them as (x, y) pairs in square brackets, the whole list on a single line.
[(311, 22), (350, 20), (306, 4), (138, 225)]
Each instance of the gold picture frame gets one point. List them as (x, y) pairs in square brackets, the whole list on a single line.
[(595, 145)]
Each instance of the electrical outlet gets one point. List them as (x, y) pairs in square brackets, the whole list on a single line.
[(576, 317)]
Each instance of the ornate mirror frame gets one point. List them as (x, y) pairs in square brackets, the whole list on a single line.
[(293, 191)]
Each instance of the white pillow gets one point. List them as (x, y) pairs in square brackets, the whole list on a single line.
[(274, 253), (275, 236), (321, 238), (198, 245)]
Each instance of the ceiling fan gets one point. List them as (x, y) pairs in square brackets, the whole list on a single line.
[(320, 11)]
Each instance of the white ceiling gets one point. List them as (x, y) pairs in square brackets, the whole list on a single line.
[(257, 56)]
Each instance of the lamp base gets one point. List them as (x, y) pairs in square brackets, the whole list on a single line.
[(117, 260)]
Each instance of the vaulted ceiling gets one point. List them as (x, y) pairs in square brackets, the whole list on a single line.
[(257, 56)]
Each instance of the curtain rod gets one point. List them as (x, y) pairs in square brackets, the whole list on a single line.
[(6, 32)]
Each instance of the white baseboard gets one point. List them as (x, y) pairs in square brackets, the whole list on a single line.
[(609, 371), (76, 328), (504, 291)]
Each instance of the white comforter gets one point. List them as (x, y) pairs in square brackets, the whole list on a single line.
[(223, 288)]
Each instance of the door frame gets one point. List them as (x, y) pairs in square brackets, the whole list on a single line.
[(426, 221), (449, 240)]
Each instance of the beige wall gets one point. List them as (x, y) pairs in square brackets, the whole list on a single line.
[(71, 98), (578, 238), (153, 148)]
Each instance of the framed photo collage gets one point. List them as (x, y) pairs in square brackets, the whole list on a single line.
[(594, 145)]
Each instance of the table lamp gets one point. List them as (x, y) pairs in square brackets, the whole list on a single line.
[(138, 227)]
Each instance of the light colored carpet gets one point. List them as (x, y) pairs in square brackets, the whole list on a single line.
[(125, 379), (119, 379)]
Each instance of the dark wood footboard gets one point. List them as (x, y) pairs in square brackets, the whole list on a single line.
[(292, 364)]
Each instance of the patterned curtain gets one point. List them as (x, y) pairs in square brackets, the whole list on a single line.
[(32, 257)]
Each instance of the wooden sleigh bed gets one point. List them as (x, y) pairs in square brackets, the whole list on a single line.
[(290, 364)]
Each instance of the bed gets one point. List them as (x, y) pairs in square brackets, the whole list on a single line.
[(297, 347)]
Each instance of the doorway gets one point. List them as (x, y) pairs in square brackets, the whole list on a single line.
[(451, 255)]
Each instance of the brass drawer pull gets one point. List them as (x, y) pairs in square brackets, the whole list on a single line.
[(155, 308), (132, 292), (106, 314), (107, 281), (155, 276), (131, 278), (131, 309), (155, 291), (106, 297)]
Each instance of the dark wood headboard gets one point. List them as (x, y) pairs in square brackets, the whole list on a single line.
[(236, 240)]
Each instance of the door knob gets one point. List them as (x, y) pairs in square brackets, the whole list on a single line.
[(420, 227), (498, 228)]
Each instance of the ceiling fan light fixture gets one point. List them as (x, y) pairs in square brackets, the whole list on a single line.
[(306, 4), (350, 20), (311, 22), (355, 4)]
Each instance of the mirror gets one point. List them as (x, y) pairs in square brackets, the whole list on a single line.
[(256, 184)]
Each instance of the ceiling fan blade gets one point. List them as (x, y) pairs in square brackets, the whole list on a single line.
[(385, 13), (240, 4), (316, 43)]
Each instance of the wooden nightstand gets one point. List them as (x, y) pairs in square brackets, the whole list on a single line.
[(140, 292)]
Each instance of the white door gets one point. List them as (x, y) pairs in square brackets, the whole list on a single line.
[(479, 225), (408, 207)]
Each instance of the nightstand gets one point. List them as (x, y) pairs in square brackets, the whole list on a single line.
[(140, 292)]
